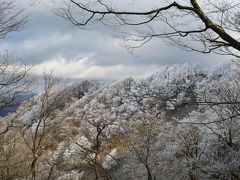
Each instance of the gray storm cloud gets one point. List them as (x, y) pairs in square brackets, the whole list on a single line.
[(50, 41)]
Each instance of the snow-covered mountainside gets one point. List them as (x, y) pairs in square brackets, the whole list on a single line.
[(180, 123)]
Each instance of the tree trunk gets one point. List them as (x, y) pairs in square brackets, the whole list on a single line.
[(33, 169)]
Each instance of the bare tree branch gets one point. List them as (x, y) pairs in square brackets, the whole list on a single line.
[(216, 30)]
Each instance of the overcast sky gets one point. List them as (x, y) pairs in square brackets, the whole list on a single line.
[(51, 43)]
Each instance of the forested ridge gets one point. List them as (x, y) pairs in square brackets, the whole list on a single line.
[(179, 123)]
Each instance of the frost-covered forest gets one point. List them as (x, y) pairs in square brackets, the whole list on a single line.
[(179, 123)]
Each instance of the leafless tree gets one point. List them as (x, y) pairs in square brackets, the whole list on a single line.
[(14, 156), (14, 74), (37, 131), (142, 149), (14, 79), (203, 26), (12, 18)]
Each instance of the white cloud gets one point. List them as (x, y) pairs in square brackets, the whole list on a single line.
[(83, 68)]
